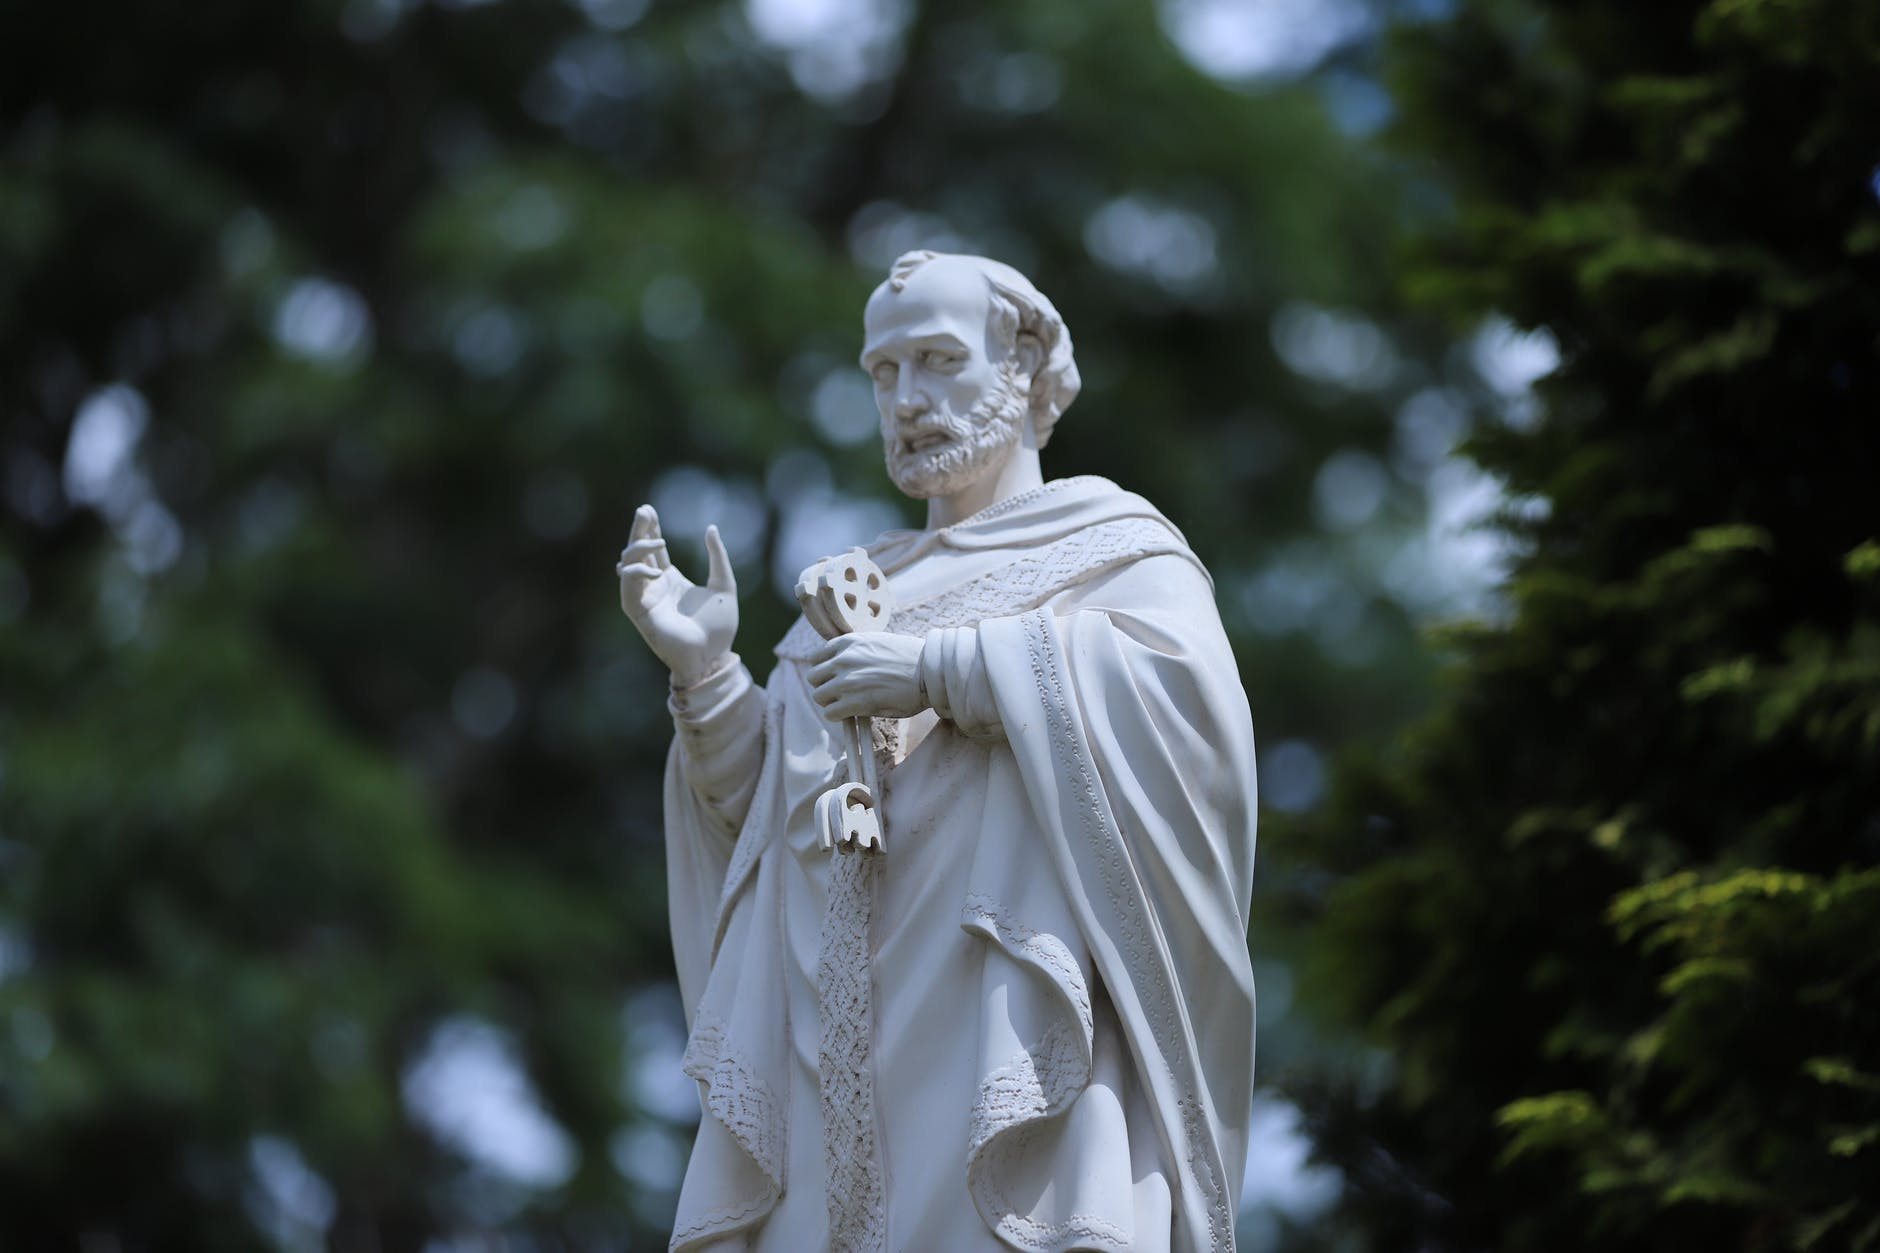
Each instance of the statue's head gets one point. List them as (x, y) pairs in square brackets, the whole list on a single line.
[(970, 362)]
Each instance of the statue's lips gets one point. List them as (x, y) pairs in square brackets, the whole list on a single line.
[(925, 441)]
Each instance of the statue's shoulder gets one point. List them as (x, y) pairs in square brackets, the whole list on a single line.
[(1110, 520), (1029, 549), (1056, 511)]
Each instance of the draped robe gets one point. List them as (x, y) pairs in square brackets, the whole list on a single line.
[(1029, 1023)]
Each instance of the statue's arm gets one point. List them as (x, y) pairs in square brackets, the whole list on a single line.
[(716, 709)]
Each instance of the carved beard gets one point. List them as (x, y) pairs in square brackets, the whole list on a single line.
[(977, 444)]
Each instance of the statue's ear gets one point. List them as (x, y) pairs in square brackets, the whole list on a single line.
[(1030, 351)]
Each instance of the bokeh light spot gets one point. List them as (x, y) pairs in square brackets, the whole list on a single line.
[(1169, 245), (1425, 431), (105, 431), (882, 230), (1348, 490), (833, 47), (842, 408), (1333, 346), (1511, 361), (1242, 40), (323, 321), (292, 1203), (690, 498), (1292, 776), (469, 1088)]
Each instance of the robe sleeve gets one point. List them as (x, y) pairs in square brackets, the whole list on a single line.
[(954, 679), (1124, 709), (719, 726), (711, 775)]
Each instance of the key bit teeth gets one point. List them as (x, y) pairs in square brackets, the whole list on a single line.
[(863, 830)]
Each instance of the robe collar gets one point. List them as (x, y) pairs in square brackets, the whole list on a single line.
[(1036, 516)]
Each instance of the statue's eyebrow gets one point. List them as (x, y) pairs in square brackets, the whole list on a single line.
[(933, 339), (941, 339)]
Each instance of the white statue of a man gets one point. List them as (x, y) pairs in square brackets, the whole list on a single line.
[(1028, 1022)]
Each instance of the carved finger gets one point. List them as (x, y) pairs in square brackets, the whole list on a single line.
[(806, 581), (719, 578), (832, 649), (808, 595), (827, 610), (646, 527), (642, 550), (849, 706), (638, 570)]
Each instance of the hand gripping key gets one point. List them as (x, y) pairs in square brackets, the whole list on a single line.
[(842, 595)]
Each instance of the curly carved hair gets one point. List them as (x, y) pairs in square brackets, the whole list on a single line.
[(1020, 312)]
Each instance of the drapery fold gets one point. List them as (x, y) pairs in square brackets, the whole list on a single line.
[(1146, 852)]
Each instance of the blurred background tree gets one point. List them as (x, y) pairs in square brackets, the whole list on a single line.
[(338, 340), (1611, 914)]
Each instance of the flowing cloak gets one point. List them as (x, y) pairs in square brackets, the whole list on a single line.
[(1049, 1009)]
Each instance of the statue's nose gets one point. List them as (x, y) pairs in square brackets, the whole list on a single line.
[(909, 402)]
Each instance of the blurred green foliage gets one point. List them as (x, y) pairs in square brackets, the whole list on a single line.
[(1611, 913), (338, 342)]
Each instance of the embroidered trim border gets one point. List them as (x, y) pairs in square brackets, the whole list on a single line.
[(1040, 1082), (737, 1096), (855, 1187)]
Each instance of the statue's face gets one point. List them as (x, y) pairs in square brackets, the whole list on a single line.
[(953, 400)]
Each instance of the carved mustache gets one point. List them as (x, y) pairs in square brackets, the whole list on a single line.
[(931, 431)]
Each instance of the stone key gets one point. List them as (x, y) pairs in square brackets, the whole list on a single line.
[(842, 595)]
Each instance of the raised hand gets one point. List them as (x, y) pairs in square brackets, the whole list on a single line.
[(687, 626)]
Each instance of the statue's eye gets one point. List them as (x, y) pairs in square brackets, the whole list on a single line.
[(884, 372), (934, 359)]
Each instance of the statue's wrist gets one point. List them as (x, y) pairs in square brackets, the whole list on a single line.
[(692, 677), (932, 668)]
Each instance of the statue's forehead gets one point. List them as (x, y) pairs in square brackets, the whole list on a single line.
[(940, 298)]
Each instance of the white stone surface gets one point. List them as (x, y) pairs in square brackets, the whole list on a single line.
[(1028, 1023)]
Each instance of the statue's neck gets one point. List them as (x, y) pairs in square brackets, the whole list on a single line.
[(1020, 473)]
